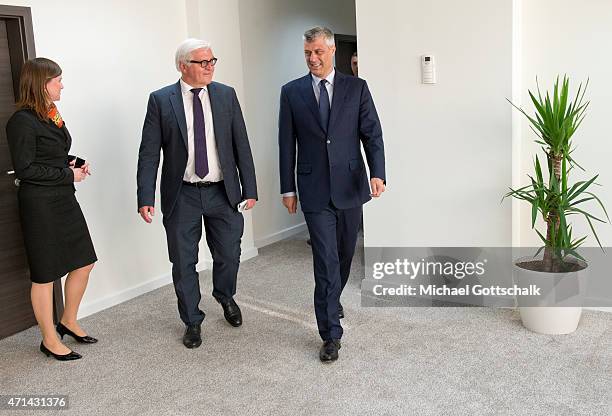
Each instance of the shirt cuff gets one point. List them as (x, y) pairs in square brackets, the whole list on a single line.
[(288, 194)]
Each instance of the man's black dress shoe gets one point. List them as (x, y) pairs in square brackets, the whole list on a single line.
[(231, 312), (329, 350), (340, 311), (66, 357), (192, 337), (62, 330)]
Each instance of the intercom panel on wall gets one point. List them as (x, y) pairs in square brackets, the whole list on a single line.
[(428, 69)]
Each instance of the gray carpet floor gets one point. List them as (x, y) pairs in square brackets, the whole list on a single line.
[(393, 361)]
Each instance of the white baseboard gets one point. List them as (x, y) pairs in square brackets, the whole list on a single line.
[(206, 264), (281, 235), (98, 305), (604, 305), (249, 253), (90, 308), (106, 302), (600, 309)]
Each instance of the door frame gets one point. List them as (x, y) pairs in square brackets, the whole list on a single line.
[(20, 32)]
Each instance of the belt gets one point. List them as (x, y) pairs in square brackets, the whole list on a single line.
[(201, 184)]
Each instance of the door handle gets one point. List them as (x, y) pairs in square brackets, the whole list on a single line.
[(12, 172)]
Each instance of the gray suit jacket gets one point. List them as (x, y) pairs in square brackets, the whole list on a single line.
[(165, 128)]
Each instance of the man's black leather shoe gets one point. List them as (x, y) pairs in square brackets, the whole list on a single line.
[(340, 311), (329, 350), (192, 337), (231, 312)]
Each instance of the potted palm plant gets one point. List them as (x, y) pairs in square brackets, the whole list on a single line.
[(555, 199)]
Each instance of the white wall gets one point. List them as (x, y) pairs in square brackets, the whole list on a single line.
[(272, 51), (259, 46), (563, 37), (217, 22), (112, 55), (448, 146)]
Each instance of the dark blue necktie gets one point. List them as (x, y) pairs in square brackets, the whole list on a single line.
[(199, 135), (323, 104)]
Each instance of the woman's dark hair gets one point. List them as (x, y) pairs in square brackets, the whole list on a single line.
[(33, 95)]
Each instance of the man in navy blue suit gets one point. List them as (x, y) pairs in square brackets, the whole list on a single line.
[(324, 117), (207, 171)]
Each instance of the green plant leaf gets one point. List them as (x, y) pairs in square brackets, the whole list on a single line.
[(583, 186), (554, 122), (594, 232)]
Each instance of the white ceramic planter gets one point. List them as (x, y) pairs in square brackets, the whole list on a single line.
[(551, 320), (557, 311)]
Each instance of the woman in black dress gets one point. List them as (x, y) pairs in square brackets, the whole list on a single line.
[(55, 233)]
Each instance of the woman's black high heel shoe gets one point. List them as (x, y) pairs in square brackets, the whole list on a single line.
[(62, 330), (66, 357)]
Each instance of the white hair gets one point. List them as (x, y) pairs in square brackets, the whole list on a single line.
[(319, 31), (183, 52)]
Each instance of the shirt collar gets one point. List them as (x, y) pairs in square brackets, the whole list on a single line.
[(330, 78), (186, 88)]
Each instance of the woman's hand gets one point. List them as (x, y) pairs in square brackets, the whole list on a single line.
[(85, 168), (79, 174)]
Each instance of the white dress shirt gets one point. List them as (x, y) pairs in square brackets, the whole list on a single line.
[(317, 92), (330, 86), (214, 167)]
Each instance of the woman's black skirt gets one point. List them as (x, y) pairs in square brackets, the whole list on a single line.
[(55, 233)]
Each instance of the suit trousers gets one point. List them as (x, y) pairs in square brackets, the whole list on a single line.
[(333, 234), (224, 226)]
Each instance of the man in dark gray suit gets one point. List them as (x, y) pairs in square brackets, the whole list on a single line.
[(207, 173)]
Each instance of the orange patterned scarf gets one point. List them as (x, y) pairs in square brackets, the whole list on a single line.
[(55, 116)]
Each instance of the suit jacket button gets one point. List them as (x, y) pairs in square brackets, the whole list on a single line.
[(329, 141)]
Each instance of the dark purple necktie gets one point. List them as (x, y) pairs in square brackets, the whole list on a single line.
[(199, 135)]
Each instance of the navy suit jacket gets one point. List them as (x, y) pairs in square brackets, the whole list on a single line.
[(165, 128), (329, 165)]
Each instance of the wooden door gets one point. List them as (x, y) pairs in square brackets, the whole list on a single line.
[(15, 287), (16, 45)]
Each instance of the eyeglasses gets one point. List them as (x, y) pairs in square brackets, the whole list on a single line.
[(204, 63)]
